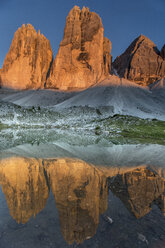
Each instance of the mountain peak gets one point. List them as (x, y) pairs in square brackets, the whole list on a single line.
[(76, 66), (141, 62), (27, 63)]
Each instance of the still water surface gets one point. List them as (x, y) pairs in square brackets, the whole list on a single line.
[(68, 202)]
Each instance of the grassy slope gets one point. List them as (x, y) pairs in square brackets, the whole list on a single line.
[(133, 128)]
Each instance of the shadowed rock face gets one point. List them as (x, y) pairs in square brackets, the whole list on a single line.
[(28, 61), (162, 53), (107, 55), (80, 61), (141, 62)]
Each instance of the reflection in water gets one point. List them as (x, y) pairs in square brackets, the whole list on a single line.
[(24, 184), (80, 191), (138, 190)]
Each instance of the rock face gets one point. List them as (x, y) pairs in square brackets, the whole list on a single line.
[(162, 53), (141, 62), (28, 61), (107, 55), (83, 57)]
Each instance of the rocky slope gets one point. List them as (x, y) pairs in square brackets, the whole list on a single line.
[(120, 96), (28, 61), (142, 62), (84, 55)]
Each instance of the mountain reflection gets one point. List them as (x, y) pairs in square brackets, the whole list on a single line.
[(80, 191), (139, 189), (24, 184)]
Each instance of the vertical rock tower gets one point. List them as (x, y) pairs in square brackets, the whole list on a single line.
[(28, 61), (81, 59)]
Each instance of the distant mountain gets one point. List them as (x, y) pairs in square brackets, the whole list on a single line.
[(142, 62)]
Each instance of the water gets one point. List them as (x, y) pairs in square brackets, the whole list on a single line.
[(56, 195)]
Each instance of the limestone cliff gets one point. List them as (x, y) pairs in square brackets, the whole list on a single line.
[(83, 57), (28, 61), (141, 62)]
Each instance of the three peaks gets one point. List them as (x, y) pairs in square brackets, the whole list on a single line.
[(84, 57)]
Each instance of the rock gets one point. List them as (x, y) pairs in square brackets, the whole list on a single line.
[(141, 62), (162, 53), (28, 61), (107, 55), (80, 59)]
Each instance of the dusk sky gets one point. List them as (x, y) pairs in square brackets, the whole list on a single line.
[(123, 20)]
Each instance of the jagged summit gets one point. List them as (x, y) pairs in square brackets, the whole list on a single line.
[(27, 63), (84, 57), (75, 8), (141, 62)]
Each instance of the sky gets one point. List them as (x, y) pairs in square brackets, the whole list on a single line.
[(123, 20)]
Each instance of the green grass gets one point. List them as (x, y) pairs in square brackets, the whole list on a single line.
[(3, 126), (133, 128)]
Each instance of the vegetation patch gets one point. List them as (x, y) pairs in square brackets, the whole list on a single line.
[(3, 126), (134, 128)]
